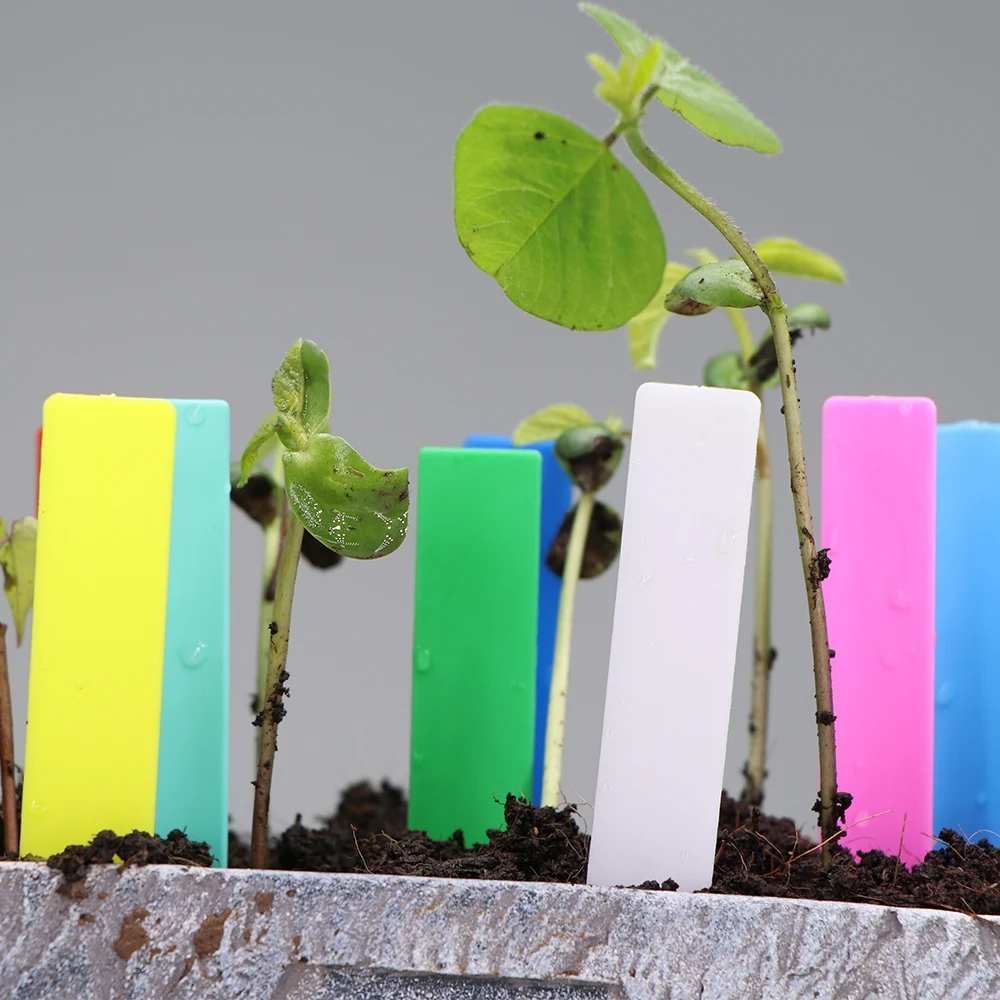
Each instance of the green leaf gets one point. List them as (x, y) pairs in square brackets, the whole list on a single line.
[(808, 317), (316, 385), (263, 441), (690, 91), (613, 422), (590, 455), (288, 384), (726, 371), (548, 211), (548, 423), (604, 542), (644, 329), (724, 283), (350, 506), (623, 88), (788, 256), (17, 559)]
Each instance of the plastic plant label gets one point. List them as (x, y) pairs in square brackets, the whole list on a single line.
[(557, 498), (192, 792), (476, 612), (100, 606), (673, 645), (879, 524), (966, 678)]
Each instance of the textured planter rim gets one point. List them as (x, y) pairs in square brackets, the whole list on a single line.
[(176, 932)]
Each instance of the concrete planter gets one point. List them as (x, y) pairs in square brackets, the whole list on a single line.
[(163, 932)]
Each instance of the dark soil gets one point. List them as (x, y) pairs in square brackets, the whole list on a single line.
[(133, 849), (756, 855)]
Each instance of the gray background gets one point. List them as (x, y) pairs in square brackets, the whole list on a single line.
[(187, 187)]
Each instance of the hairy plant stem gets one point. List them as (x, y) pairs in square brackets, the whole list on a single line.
[(7, 789), (274, 707), (556, 726), (774, 308)]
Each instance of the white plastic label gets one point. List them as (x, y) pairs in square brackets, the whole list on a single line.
[(673, 648)]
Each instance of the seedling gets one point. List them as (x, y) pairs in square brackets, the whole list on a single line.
[(262, 499), (587, 543), (753, 367), (349, 506), (569, 234), (17, 561)]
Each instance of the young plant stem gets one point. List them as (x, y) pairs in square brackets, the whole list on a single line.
[(274, 535), (812, 568), (274, 707), (7, 789), (556, 725), (755, 771)]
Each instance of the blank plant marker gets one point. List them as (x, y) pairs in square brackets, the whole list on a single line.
[(193, 774), (967, 657), (673, 647), (879, 480), (94, 691), (476, 611)]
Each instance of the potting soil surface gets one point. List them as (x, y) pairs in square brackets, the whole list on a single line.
[(756, 855)]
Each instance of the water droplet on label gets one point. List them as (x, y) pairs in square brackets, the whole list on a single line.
[(944, 695), (193, 656), (422, 660), (833, 539), (605, 786), (644, 580), (79, 685), (37, 808), (610, 732), (195, 415), (519, 686), (982, 798), (900, 600), (889, 660), (45, 663), (417, 757), (727, 541), (906, 407)]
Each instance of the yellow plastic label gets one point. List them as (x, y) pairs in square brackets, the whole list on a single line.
[(99, 619)]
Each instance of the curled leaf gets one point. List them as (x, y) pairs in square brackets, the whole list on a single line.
[(623, 87), (301, 390), (590, 454), (726, 371), (263, 441), (549, 422), (644, 328), (604, 542), (17, 559), (787, 256), (350, 506), (723, 283)]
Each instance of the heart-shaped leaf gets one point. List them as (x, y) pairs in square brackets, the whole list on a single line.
[(688, 90), (723, 283), (604, 542), (548, 423), (788, 256), (590, 454), (17, 559), (350, 506), (726, 371), (548, 211), (644, 329)]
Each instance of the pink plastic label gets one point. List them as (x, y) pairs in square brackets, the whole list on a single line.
[(878, 523)]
